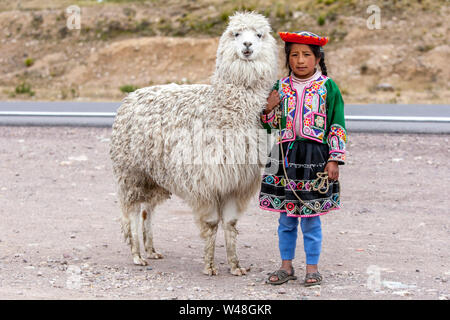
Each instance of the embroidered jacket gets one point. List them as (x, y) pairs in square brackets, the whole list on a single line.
[(321, 109)]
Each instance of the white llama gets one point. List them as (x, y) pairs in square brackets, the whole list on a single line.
[(151, 138)]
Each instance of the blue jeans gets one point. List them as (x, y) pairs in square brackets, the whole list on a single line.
[(312, 237)]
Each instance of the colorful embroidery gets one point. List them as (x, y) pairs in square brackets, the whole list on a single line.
[(312, 109), (290, 206), (296, 209), (319, 120), (265, 202), (337, 156), (298, 165), (300, 185), (313, 103), (337, 139), (311, 106), (307, 122)]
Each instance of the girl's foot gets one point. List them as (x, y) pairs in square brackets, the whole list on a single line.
[(286, 265), (275, 278), (281, 276), (312, 274)]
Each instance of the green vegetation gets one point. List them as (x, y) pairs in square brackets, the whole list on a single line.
[(29, 62), (337, 34), (128, 88), (321, 20), (24, 88), (424, 47)]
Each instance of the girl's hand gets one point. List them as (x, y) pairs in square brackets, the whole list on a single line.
[(333, 170), (272, 101)]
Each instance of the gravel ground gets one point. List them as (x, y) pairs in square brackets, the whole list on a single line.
[(60, 235)]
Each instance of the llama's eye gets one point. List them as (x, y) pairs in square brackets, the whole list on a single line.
[(259, 35), (237, 34)]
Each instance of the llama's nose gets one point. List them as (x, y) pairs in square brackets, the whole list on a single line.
[(247, 44)]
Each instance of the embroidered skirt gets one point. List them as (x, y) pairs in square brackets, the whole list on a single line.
[(304, 160)]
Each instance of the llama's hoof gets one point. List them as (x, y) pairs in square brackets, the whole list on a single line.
[(238, 271), (155, 255), (139, 261), (210, 270)]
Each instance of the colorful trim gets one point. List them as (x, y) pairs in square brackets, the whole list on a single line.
[(312, 215), (324, 205), (300, 185), (295, 207), (337, 156), (311, 107), (299, 165), (265, 116), (299, 216), (337, 139)]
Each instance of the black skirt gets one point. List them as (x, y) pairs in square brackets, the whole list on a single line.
[(305, 158)]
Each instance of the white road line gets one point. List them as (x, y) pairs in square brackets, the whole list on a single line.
[(113, 114), (398, 118), (57, 114)]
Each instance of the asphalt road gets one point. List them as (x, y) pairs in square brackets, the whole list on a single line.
[(413, 118)]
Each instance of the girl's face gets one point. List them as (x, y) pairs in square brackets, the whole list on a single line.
[(302, 60)]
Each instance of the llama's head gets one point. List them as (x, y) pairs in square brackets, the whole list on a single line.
[(247, 52)]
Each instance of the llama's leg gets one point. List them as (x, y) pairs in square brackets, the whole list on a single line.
[(146, 213), (130, 224), (208, 231), (230, 217)]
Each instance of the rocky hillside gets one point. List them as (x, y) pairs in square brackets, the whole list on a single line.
[(123, 45)]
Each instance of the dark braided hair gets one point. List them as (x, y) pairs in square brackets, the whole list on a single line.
[(316, 51)]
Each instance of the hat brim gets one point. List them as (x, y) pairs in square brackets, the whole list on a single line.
[(303, 39)]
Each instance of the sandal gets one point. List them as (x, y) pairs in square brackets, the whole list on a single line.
[(282, 275), (315, 276)]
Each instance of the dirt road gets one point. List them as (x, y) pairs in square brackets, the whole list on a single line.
[(60, 236)]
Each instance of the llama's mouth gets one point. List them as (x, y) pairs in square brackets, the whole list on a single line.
[(247, 52)]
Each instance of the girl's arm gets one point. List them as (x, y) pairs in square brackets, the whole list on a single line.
[(268, 115), (336, 132)]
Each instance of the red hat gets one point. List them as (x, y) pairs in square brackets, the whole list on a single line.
[(303, 37)]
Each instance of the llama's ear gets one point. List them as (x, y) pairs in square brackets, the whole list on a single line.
[(220, 49)]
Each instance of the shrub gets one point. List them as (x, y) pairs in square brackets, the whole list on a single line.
[(24, 88), (128, 88), (321, 20), (29, 62)]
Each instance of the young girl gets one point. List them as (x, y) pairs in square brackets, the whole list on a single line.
[(308, 107)]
